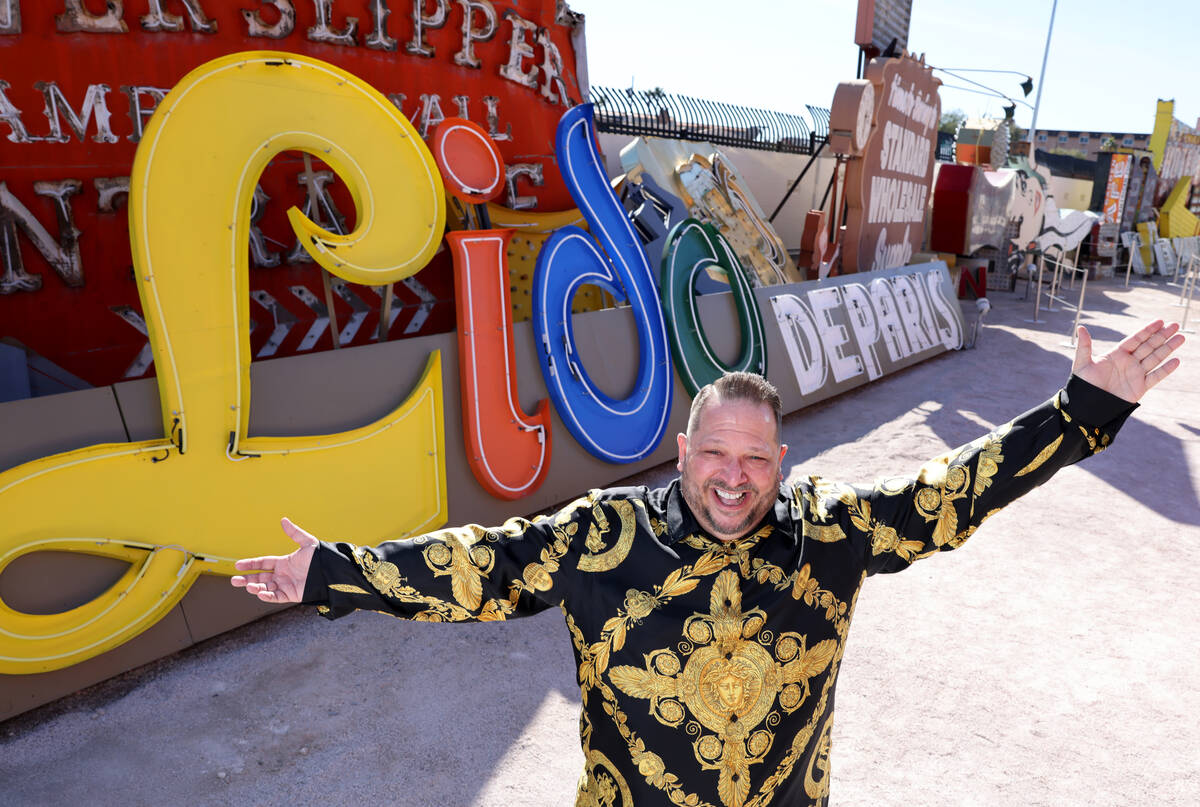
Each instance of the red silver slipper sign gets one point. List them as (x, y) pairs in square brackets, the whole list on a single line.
[(78, 86)]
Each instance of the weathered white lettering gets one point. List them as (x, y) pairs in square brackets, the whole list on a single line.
[(532, 172), (326, 214), (11, 117), (554, 89), (909, 308), (138, 113), (111, 193), (323, 31), (422, 22), (62, 255), (260, 254), (95, 106), (888, 316), (470, 34), (281, 27), (378, 39), (492, 104), (834, 337), (950, 326), (912, 104), (77, 18), (799, 331), (430, 114), (865, 326), (10, 16), (890, 256), (519, 49), (159, 20)]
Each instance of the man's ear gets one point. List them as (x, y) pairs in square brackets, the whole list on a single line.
[(782, 454), (681, 439)]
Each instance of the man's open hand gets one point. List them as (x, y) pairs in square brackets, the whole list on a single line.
[(279, 579), (1133, 366)]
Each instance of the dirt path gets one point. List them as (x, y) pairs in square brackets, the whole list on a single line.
[(1053, 660)]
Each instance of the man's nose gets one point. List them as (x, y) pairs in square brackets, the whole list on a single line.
[(734, 473)]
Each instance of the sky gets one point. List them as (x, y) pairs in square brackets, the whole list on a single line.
[(1106, 68)]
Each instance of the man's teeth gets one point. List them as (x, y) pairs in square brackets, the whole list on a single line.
[(730, 497)]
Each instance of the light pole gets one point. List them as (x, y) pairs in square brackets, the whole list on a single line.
[(1037, 101)]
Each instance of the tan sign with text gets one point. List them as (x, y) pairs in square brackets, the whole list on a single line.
[(887, 187)]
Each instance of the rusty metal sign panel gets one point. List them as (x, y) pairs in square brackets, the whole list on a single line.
[(881, 21)]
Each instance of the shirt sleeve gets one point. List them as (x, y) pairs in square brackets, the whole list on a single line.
[(901, 520), (471, 573)]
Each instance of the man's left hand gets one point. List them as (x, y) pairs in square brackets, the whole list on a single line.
[(1133, 366)]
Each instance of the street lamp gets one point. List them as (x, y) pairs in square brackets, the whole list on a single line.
[(1026, 85), (1041, 83)]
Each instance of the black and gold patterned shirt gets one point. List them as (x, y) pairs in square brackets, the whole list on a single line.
[(707, 669)]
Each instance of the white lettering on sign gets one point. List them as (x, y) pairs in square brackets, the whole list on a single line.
[(799, 329), (890, 256), (888, 318), (826, 305), (913, 105), (949, 327), (894, 201), (905, 151), (837, 330), (865, 325)]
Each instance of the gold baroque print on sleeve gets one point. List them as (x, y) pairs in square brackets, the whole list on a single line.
[(1043, 455), (883, 538), (825, 533), (1058, 405), (945, 483), (989, 459), (347, 588), (465, 561), (598, 558), (539, 575), (1096, 441), (385, 577), (816, 501)]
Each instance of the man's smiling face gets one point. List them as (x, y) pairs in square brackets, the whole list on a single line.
[(730, 466)]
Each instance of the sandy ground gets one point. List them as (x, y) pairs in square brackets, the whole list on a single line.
[(1051, 661)]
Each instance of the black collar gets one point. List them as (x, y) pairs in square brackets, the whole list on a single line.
[(681, 523)]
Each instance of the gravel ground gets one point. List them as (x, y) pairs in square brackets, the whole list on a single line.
[(1051, 661)]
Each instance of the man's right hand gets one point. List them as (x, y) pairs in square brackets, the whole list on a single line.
[(279, 579)]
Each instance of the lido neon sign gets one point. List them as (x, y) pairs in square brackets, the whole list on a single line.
[(209, 493)]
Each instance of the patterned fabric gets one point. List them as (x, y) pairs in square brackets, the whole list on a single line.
[(707, 669)]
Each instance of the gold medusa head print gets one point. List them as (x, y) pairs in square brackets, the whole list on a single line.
[(726, 693)]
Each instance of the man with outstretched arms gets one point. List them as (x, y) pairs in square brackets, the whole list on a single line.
[(709, 618)]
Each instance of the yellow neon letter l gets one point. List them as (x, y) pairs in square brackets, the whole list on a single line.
[(206, 493)]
